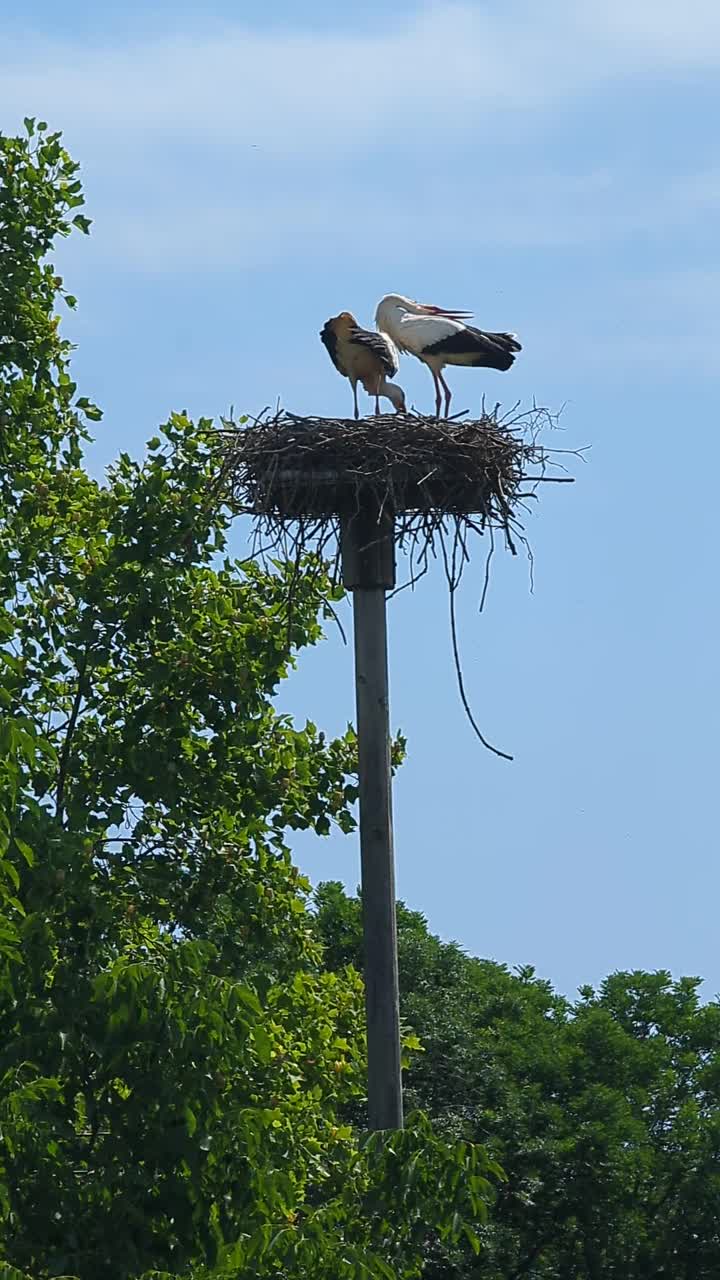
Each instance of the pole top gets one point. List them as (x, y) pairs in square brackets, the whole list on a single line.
[(367, 546)]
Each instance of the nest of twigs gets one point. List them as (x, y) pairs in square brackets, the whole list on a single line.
[(440, 480), (300, 476)]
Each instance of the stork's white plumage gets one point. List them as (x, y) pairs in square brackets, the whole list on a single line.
[(439, 337), (363, 356)]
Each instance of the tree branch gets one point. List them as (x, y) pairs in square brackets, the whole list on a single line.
[(72, 722)]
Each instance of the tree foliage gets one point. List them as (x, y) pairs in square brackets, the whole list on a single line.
[(603, 1112), (174, 1058)]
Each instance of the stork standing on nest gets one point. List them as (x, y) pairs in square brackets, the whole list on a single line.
[(365, 357), (440, 337)]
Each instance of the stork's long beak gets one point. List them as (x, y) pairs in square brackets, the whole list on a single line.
[(443, 311)]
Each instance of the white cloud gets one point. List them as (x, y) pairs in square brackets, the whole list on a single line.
[(455, 70), (649, 35), (227, 147), (198, 227)]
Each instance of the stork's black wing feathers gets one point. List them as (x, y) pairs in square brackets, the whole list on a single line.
[(328, 337), (379, 346), (491, 350)]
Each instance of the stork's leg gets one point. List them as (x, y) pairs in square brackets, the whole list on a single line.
[(357, 411), (378, 384), (438, 393), (448, 393)]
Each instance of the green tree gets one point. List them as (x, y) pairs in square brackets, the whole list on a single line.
[(174, 1059), (38, 192), (604, 1113)]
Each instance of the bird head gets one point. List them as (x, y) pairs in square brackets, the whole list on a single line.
[(395, 395), (394, 306), (340, 324)]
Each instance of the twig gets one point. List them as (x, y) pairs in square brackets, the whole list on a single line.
[(72, 722), (486, 580), (458, 671)]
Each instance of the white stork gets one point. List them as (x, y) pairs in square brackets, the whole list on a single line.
[(363, 356), (439, 337)]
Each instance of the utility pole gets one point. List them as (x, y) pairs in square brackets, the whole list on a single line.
[(368, 566)]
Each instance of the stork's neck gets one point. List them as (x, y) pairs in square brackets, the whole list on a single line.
[(390, 315)]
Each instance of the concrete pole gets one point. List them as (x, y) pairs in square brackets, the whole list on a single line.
[(368, 557)]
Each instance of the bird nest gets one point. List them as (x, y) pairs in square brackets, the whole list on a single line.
[(427, 483), (300, 477)]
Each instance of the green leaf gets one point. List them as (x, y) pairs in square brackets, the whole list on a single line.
[(11, 1273), (11, 872), (472, 1238), (24, 849), (262, 1043), (88, 408)]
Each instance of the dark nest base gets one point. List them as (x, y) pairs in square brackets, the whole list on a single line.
[(312, 472)]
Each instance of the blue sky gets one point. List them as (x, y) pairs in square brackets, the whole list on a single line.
[(554, 167)]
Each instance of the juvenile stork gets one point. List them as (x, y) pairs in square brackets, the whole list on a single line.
[(365, 357), (439, 337)]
